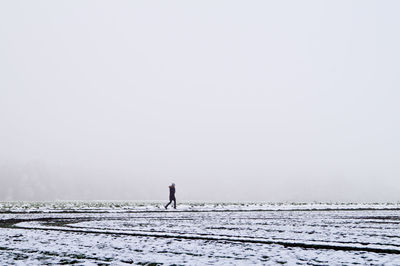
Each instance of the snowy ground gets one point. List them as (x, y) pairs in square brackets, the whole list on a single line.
[(198, 233)]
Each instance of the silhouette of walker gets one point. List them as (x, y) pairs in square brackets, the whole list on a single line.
[(171, 196)]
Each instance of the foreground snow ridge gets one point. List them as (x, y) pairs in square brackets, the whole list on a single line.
[(198, 233)]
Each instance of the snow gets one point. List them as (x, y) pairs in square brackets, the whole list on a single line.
[(90, 233)]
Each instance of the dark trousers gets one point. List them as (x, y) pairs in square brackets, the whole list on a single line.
[(170, 200)]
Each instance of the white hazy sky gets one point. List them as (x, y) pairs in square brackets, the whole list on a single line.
[(231, 100)]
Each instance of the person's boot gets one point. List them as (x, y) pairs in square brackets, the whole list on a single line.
[(165, 207)]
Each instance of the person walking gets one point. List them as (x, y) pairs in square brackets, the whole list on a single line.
[(171, 196)]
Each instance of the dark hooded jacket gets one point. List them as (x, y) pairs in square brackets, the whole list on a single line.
[(171, 192)]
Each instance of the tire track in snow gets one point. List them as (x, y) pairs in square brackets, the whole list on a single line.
[(222, 235), (234, 239)]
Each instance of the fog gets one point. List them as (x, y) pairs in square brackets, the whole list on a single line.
[(230, 100)]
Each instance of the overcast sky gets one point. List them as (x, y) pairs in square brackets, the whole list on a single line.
[(231, 100)]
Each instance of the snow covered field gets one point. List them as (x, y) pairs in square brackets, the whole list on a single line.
[(198, 233)]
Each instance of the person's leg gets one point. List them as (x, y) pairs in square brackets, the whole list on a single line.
[(174, 203), (166, 206)]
